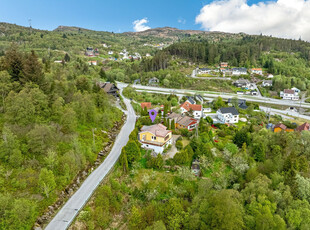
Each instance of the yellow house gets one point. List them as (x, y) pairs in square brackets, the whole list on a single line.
[(155, 137)]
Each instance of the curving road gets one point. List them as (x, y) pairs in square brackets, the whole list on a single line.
[(69, 211)]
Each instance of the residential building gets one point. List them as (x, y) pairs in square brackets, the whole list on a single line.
[(155, 137), (224, 65), (228, 115), (148, 105), (242, 83), (289, 94), (154, 81), (196, 110), (190, 100), (304, 127), (258, 71), (92, 62), (281, 127), (110, 52), (137, 81), (267, 83), (270, 76), (239, 71), (296, 90), (199, 98), (109, 88), (241, 103), (89, 52), (204, 71)]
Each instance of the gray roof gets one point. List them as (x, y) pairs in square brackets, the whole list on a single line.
[(191, 99), (205, 69), (240, 69), (231, 110), (267, 81)]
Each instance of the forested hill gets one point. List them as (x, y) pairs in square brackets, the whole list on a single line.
[(75, 39)]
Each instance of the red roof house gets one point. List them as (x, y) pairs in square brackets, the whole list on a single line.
[(148, 105)]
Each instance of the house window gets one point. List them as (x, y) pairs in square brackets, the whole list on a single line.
[(153, 137)]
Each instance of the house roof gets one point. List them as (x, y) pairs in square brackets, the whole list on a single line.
[(158, 130), (190, 99), (146, 104), (199, 97), (305, 126), (187, 106), (289, 91), (108, 86), (186, 121), (242, 81), (267, 81), (204, 69), (241, 103), (231, 110), (174, 115), (281, 126), (257, 69), (240, 69)]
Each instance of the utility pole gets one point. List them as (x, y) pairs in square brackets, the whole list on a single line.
[(30, 27)]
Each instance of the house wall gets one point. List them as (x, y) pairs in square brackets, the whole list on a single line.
[(277, 130), (157, 149), (148, 137), (227, 118)]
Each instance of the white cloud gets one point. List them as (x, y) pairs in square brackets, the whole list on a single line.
[(139, 25), (283, 18), (181, 21)]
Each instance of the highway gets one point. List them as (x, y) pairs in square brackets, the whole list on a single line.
[(69, 211), (209, 94)]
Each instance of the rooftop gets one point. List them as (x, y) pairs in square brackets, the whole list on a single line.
[(231, 110), (158, 130)]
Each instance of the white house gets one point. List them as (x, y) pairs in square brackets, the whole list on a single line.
[(296, 90), (289, 94), (228, 115), (267, 83), (195, 109), (204, 71), (239, 71), (270, 76), (110, 52), (258, 71)]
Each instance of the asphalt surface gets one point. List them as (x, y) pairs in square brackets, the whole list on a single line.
[(208, 94), (69, 211)]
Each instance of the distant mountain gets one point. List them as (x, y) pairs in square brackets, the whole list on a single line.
[(70, 29), (174, 33)]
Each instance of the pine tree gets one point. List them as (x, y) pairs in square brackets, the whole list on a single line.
[(172, 125), (123, 161), (67, 57), (32, 71), (13, 62)]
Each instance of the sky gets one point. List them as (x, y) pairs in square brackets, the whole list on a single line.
[(281, 18)]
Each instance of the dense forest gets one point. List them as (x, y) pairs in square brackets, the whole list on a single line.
[(251, 178), (53, 123)]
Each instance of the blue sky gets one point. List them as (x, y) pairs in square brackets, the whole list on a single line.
[(103, 15)]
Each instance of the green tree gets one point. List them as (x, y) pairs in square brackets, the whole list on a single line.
[(133, 151), (14, 62), (67, 57), (172, 125), (46, 182), (123, 161), (5, 86), (215, 213), (32, 69)]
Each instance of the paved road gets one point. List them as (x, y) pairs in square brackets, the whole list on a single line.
[(69, 211), (209, 94)]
